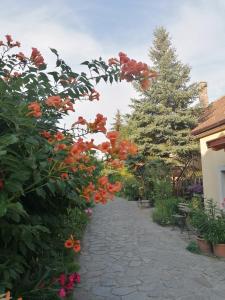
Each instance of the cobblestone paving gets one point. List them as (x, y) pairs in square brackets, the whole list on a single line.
[(125, 256)]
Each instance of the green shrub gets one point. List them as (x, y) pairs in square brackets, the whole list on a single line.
[(48, 174), (199, 219), (216, 231), (131, 189), (193, 247), (164, 210)]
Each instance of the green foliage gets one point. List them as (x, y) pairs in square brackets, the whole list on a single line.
[(163, 117), (196, 202), (209, 223), (39, 209), (164, 210), (193, 247), (216, 231), (131, 188), (200, 221)]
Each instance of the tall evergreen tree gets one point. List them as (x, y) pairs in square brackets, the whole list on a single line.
[(163, 117), (118, 121)]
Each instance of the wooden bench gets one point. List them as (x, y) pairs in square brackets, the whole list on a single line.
[(182, 216)]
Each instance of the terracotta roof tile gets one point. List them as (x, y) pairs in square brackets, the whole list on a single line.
[(213, 117)]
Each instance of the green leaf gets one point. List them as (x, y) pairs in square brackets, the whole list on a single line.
[(3, 152), (41, 192), (54, 51), (51, 187), (111, 79), (98, 79), (3, 208), (105, 77), (55, 75), (9, 139), (42, 67), (85, 63)]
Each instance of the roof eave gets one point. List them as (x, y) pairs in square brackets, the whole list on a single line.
[(217, 127)]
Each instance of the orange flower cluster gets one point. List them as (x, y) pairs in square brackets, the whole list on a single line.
[(116, 163), (104, 147), (64, 176), (125, 148), (36, 57), (59, 136), (133, 70), (73, 243), (21, 57), (76, 152), (9, 42), (57, 102), (45, 134), (117, 147), (106, 190), (113, 137), (88, 191), (98, 125), (35, 109), (53, 139), (80, 121), (60, 147)]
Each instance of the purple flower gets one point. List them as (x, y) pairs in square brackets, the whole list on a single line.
[(195, 188)]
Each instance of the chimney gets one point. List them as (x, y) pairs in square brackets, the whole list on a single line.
[(203, 94)]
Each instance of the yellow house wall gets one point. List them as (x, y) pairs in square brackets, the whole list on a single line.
[(213, 162)]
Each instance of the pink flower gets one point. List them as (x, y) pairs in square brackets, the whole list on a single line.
[(88, 211), (69, 286), (62, 279), (62, 293), (72, 277)]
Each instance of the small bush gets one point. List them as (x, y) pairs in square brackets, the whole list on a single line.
[(131, 189), (164, 210), (193, 247)]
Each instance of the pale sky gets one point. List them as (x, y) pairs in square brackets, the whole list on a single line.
[(85, 29)]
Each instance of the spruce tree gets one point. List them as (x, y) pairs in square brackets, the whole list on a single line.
[(118, 121), (163, 117)]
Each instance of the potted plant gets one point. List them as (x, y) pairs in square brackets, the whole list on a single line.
[(200, 221), (216, 235)]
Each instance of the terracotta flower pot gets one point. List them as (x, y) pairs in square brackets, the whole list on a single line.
[(204, 245), (219, 250)]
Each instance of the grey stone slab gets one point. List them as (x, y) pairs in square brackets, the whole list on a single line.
[(102, 291), (135, 263), (122, 291), (108, 282), (128, 281), (136, 296)]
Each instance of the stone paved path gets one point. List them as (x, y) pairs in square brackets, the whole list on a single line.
[(125, 256)]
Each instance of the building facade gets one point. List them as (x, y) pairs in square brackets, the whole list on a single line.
[(211, 133)]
